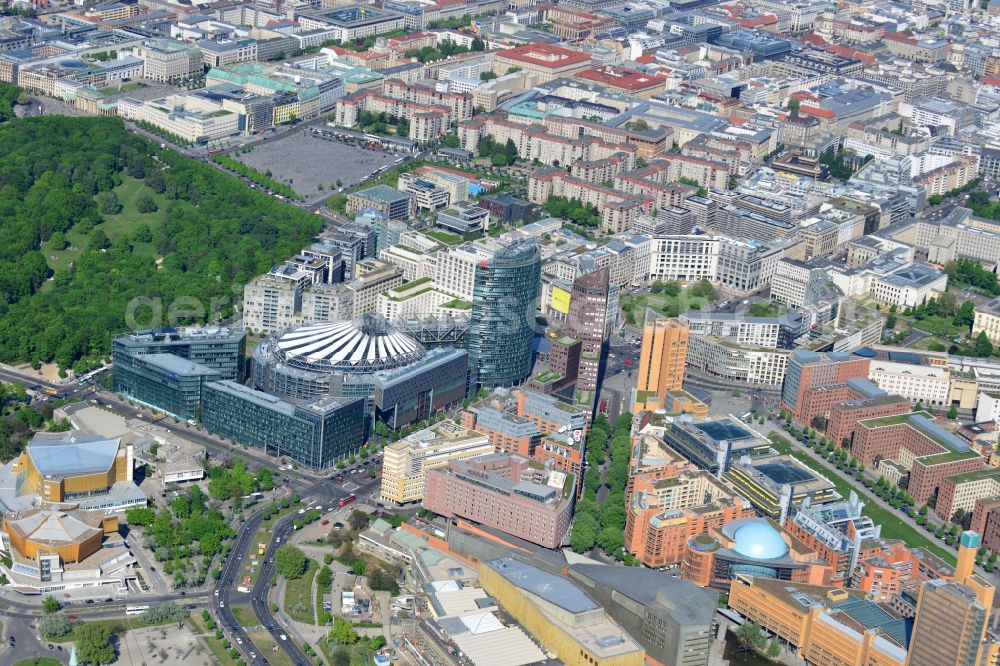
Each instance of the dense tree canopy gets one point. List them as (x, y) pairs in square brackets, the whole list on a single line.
[(217, 234)]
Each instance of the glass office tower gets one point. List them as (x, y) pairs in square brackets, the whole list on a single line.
[(504, 301)]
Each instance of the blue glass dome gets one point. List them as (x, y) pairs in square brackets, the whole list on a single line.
[(758, 540)]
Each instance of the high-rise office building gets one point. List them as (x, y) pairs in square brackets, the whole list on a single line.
[(811, 372), (586, 322), (949, 627), (661, 363), (504, 300)]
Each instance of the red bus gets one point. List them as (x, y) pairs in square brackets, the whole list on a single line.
[(344, 501)]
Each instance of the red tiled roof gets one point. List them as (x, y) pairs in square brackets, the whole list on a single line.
[(900, 37), (817, 112), (767, 19), (625, 79), (544, 55), (814, 39)]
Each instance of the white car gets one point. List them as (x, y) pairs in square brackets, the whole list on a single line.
[(283, 637), (222, 604)]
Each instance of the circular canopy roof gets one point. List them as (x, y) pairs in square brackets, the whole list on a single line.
[(758, 540), (365, 345)]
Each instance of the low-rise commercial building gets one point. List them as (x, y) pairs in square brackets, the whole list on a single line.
[(837, 531), (393, 204), (713, 445), (777, 485), (825, 624), (674, 622), (564, 619)]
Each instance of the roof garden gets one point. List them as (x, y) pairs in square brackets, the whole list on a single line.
[(947, 457), (898, 419), (547, 376), (977, 475)]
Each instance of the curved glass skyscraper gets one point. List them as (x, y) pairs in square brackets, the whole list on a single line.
[(504, 301)]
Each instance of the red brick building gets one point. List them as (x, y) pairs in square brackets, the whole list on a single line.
[(986, 521), (504, 492), (811, 370), (844, 416), (930, 453)]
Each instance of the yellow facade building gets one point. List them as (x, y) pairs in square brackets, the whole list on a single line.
[(405, 463), (829, 626), (565, 621), (661, 362), (71, 467)]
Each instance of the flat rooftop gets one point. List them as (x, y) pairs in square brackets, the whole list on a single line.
[(722, 430)]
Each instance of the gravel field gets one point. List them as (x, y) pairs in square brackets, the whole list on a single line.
[(305, 162)]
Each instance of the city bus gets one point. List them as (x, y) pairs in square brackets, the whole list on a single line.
[(135, 610), (344, 501)]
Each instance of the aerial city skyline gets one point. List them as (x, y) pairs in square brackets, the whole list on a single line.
[(422, 332)]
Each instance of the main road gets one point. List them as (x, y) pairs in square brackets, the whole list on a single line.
[(326, 493)]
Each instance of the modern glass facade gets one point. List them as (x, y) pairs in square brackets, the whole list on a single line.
[(316, 434), (410, 394), (221, 349), (505, 298), (163, 381)]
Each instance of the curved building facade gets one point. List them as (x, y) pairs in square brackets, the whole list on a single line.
[(752, 547), (311, 361), (400, 380), (505, 298)]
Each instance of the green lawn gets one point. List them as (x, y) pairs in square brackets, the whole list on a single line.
[(221, 654), (128, 87), (39, 661), (115, 626), (670, 306), (298, 600), (940, 326), (114, 226), (445, 237), (263, 640), (244, 616), (892, 526)]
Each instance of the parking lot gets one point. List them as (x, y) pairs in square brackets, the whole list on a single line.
[(306, 162)]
